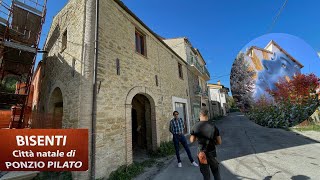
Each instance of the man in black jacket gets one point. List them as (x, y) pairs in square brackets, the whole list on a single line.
[(208, 137)]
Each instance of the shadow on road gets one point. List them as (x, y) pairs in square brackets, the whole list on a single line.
[(243, 137), (300, 177)]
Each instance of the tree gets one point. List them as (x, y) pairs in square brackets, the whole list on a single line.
[(242, 82), (231, 102), (297, 90), (9, 84)]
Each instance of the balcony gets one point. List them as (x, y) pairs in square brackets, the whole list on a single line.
[(205, 94), (197, 91), (205, 74), (195, 66)]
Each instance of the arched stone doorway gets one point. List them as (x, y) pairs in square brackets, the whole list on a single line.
[(141, 128), (55, 110)]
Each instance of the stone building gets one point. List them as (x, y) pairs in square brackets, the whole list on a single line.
[(124, 92), (218, 98), (255, 55), (197, 73)]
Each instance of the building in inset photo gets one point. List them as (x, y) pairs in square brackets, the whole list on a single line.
[(270, 64)]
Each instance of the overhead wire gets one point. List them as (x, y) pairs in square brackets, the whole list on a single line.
[(277, 16)]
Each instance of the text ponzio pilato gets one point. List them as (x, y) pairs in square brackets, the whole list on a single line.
[(41, 140), (42, 164)]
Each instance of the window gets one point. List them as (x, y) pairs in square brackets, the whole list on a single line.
[(140, 43), (180, 70), (64, 40)]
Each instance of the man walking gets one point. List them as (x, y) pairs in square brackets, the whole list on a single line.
[(176, 128), (208, 136)]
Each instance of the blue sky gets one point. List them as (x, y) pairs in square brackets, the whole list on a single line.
[(220, 29), (53, 7)]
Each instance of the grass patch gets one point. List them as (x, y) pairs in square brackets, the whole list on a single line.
[(54, 175), (131, 171), (311, 127), (165, 149)]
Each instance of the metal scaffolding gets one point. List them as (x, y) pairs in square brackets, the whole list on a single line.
[(21, 24)]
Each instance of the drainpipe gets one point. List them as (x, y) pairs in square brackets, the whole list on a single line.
[(94, 94), (87, 114)]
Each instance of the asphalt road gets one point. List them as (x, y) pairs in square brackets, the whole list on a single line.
[(249, 151)]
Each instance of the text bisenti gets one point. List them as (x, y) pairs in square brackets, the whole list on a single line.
[(43, 141)]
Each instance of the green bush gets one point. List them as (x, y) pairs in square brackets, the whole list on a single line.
[(282, 115)]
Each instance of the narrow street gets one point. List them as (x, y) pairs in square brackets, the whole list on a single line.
[(249, 151)]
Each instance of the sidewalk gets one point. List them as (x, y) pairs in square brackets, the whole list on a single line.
[(314, 135), (187, 171), (169, 168)]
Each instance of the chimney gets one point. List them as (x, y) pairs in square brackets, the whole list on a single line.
[(219, 83)]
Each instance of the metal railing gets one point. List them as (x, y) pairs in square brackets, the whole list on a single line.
[(194, 61), (205, 93), (197, 90), (205, 70)]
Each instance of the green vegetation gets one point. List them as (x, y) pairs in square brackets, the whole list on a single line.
[(311, 127), (284, 115), (128, 172), (8, 84), (165, 149), (131, 171), (54, 175)]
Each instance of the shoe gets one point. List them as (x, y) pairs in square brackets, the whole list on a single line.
[(194, 164), (179, 165)]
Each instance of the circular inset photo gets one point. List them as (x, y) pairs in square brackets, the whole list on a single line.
[(275, 81)]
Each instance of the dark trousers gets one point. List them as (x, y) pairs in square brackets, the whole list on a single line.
[(213, 164), (180, 138)]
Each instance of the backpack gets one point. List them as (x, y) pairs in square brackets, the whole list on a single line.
[(201, 153)]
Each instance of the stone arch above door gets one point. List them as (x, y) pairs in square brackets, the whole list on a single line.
[(128, 114)]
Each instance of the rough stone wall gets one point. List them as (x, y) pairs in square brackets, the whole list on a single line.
[(137, 75), (179, 46), (195, 100), (58, 70)]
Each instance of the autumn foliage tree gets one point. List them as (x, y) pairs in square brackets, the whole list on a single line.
[(294, 101), (297, 90)]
